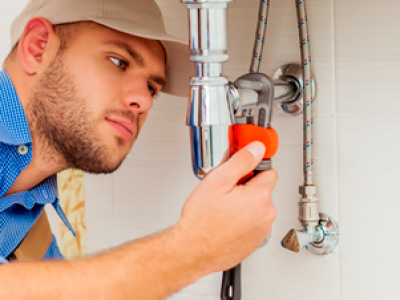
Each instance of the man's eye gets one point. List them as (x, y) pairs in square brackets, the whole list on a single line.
[(152, 90), (119, 63)]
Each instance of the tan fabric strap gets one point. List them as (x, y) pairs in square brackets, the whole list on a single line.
[(36, 242)]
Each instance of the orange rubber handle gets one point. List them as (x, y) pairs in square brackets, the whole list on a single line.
[(242, 135)]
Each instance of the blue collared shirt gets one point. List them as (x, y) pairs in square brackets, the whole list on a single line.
[(18, 212)]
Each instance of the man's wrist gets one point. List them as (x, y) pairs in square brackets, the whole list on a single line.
[(191, 252)]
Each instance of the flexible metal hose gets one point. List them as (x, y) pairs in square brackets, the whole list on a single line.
[(308, 126), (260, 36)]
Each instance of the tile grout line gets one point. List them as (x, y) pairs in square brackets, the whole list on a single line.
[(336, 135)]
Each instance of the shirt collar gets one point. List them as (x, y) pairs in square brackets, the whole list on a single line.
[(14, 128)]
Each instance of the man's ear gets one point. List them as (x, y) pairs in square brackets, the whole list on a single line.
[(33, 44)]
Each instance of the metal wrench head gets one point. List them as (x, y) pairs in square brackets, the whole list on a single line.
[(264, 87)]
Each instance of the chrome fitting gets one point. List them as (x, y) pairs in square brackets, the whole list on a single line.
[(308, 206), (320, 240), (308, 213), (289, 89), (310, 190)]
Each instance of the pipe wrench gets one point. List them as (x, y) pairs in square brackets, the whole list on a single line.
[(252, 123)]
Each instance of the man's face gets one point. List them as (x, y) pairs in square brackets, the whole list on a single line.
[(93, 99)]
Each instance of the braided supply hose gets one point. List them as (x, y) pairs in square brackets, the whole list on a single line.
[(308, 124), (309, 203), (260, 36)]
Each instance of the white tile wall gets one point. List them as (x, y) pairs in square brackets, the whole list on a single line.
[(367, 64), (8, 11), (368, 54), (356, 63), (369, 194)]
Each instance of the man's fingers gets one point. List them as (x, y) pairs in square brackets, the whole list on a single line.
[(264, 180), (239, 165)]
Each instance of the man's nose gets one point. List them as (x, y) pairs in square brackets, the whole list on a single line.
[(137, 97)]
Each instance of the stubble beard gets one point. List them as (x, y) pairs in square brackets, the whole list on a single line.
[(60, 121)]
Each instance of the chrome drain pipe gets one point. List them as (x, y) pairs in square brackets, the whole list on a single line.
[(285, 91), (209, 112)]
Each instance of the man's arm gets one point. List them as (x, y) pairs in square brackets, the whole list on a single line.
[(221, 224), (149, 269)]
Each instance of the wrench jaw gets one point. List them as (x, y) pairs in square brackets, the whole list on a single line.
[(264, 87)]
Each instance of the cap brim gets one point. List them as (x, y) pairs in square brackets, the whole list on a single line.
[(179, 67)]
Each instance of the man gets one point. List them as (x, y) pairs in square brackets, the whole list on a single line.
[(75, 91)]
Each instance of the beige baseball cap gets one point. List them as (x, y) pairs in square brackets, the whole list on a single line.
[(141, 18)]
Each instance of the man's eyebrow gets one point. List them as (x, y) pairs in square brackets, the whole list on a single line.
[(159, 80), (135, 55)]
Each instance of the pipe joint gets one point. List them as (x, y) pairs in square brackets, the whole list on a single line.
[(309, 211), (310, 190)]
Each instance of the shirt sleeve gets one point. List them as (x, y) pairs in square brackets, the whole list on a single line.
[(3, 260)]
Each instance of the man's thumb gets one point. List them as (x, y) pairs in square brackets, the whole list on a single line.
[(239, 165)]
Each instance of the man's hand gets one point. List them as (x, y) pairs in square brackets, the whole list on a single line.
[(221, 224), (225, 221)]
